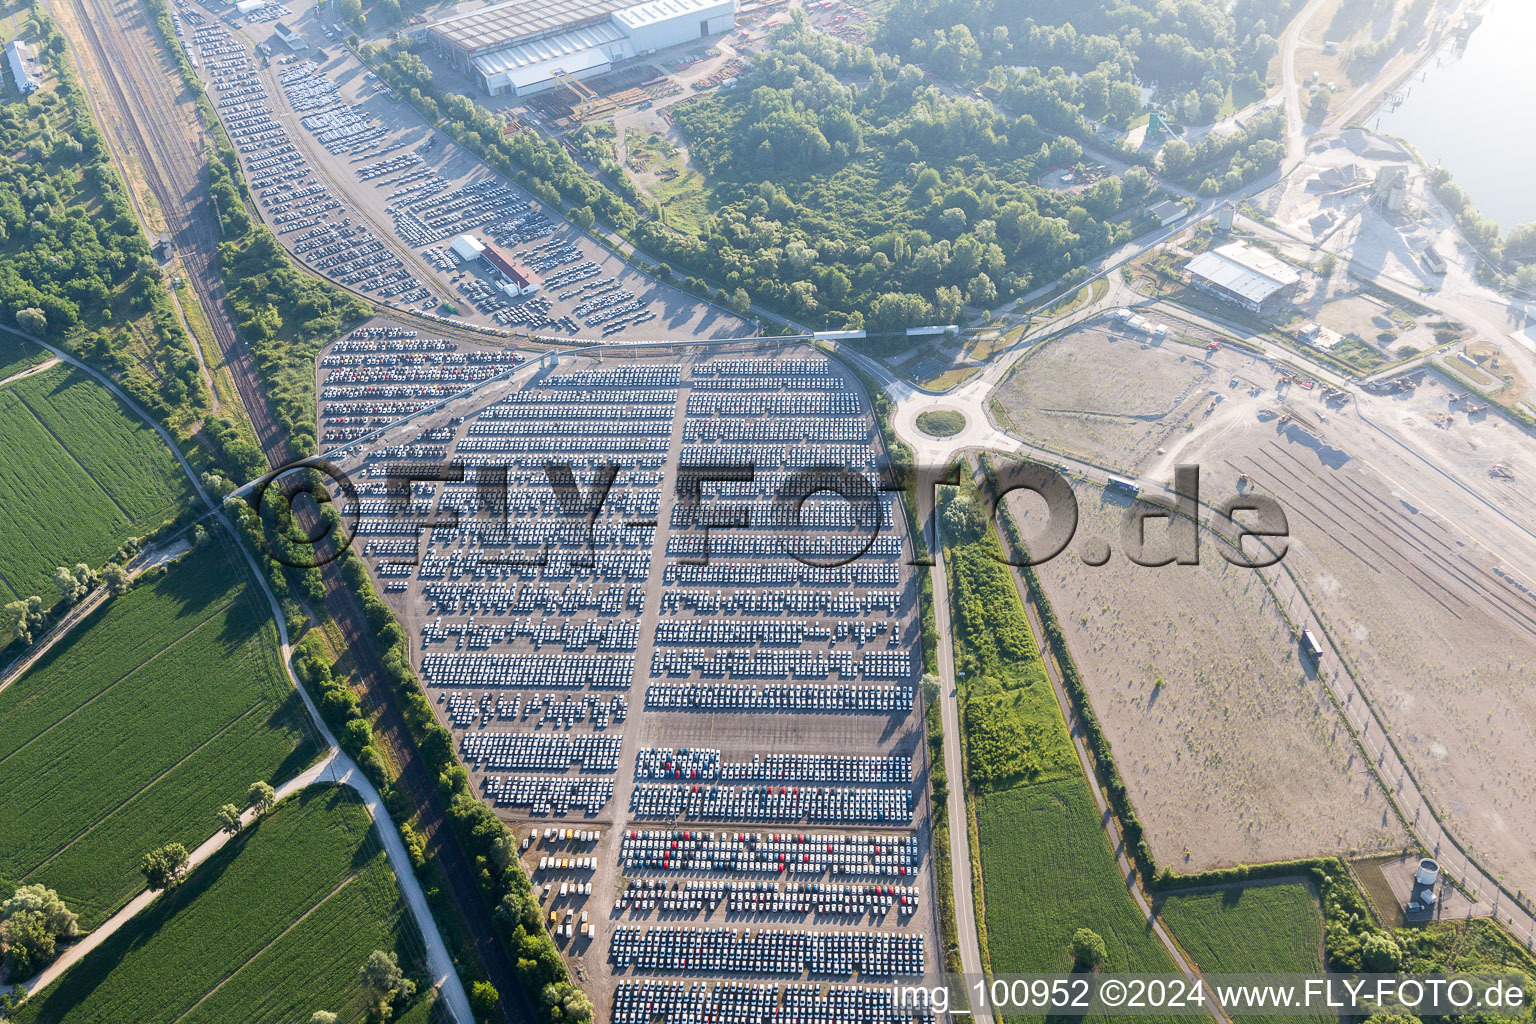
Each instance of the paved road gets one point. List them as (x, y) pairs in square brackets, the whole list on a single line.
[(959, 843)]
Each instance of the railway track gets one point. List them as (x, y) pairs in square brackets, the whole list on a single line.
[(145, 97)]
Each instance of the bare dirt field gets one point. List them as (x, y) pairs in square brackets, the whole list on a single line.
[(1108, 396), (1231, 749), (1421, 566)]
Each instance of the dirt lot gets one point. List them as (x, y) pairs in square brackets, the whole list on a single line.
[(1421, 565), (1075, 394), (1231, 749)]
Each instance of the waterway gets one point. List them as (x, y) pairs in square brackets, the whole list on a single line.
[(1469, 112)]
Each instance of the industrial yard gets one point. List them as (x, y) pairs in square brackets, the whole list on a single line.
[(1373, 493), (1232, 750), (1412, 478), (628, 332), (685, 744), (362, 190)]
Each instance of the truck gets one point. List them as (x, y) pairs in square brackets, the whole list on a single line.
[(1310, 645), (1124, 486)]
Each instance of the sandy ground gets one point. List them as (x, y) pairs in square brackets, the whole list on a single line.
[(1230, 747), (1415, 557), (1104, 394)]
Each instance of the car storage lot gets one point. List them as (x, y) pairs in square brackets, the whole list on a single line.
[(649, 694), (371, 196)]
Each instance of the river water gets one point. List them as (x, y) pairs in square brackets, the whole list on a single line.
[(1471, 113)]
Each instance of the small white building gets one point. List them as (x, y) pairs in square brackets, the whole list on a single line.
[(290, 36), (1167, 212), (467, 248)]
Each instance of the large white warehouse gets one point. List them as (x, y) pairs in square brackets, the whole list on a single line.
[(525, 46)]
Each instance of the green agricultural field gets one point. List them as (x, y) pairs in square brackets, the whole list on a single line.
[(1049, 871), (16, 355), (79, 474), (1259, 929), (270, 929), (166, 703)]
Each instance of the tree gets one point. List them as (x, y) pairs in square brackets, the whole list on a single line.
[(567, 1004), (31, 923), (352, 13), (1088, 949), (981, 292), (389, 10), (1380, 953), (952, 221), (896, 311), (1390, 1017), (23, 618), (32, 320), (964, 518), (483, 998), (229, 818), (931, 687), (115, 578), (71, 583), (386, 982), (323, 1017), (163, 868), (948, 304), (261, 797), (1319, 107)]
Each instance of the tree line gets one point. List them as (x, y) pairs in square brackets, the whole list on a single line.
[(74, 266)]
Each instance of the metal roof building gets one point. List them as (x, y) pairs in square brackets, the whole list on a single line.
[(1249, 277), (19, 57), (525, 46)]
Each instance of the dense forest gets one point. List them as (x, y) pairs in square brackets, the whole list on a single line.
[(1098, 54), (888, 201), (74, 267)]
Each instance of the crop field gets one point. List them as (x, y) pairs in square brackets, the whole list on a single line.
[(1049, 871), (1079, 395), (270, 929), (1256, 929), (1231, 750), (16, 355), (165, 704), (80, 475)]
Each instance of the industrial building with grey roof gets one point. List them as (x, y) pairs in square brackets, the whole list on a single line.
[(527, 46)]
